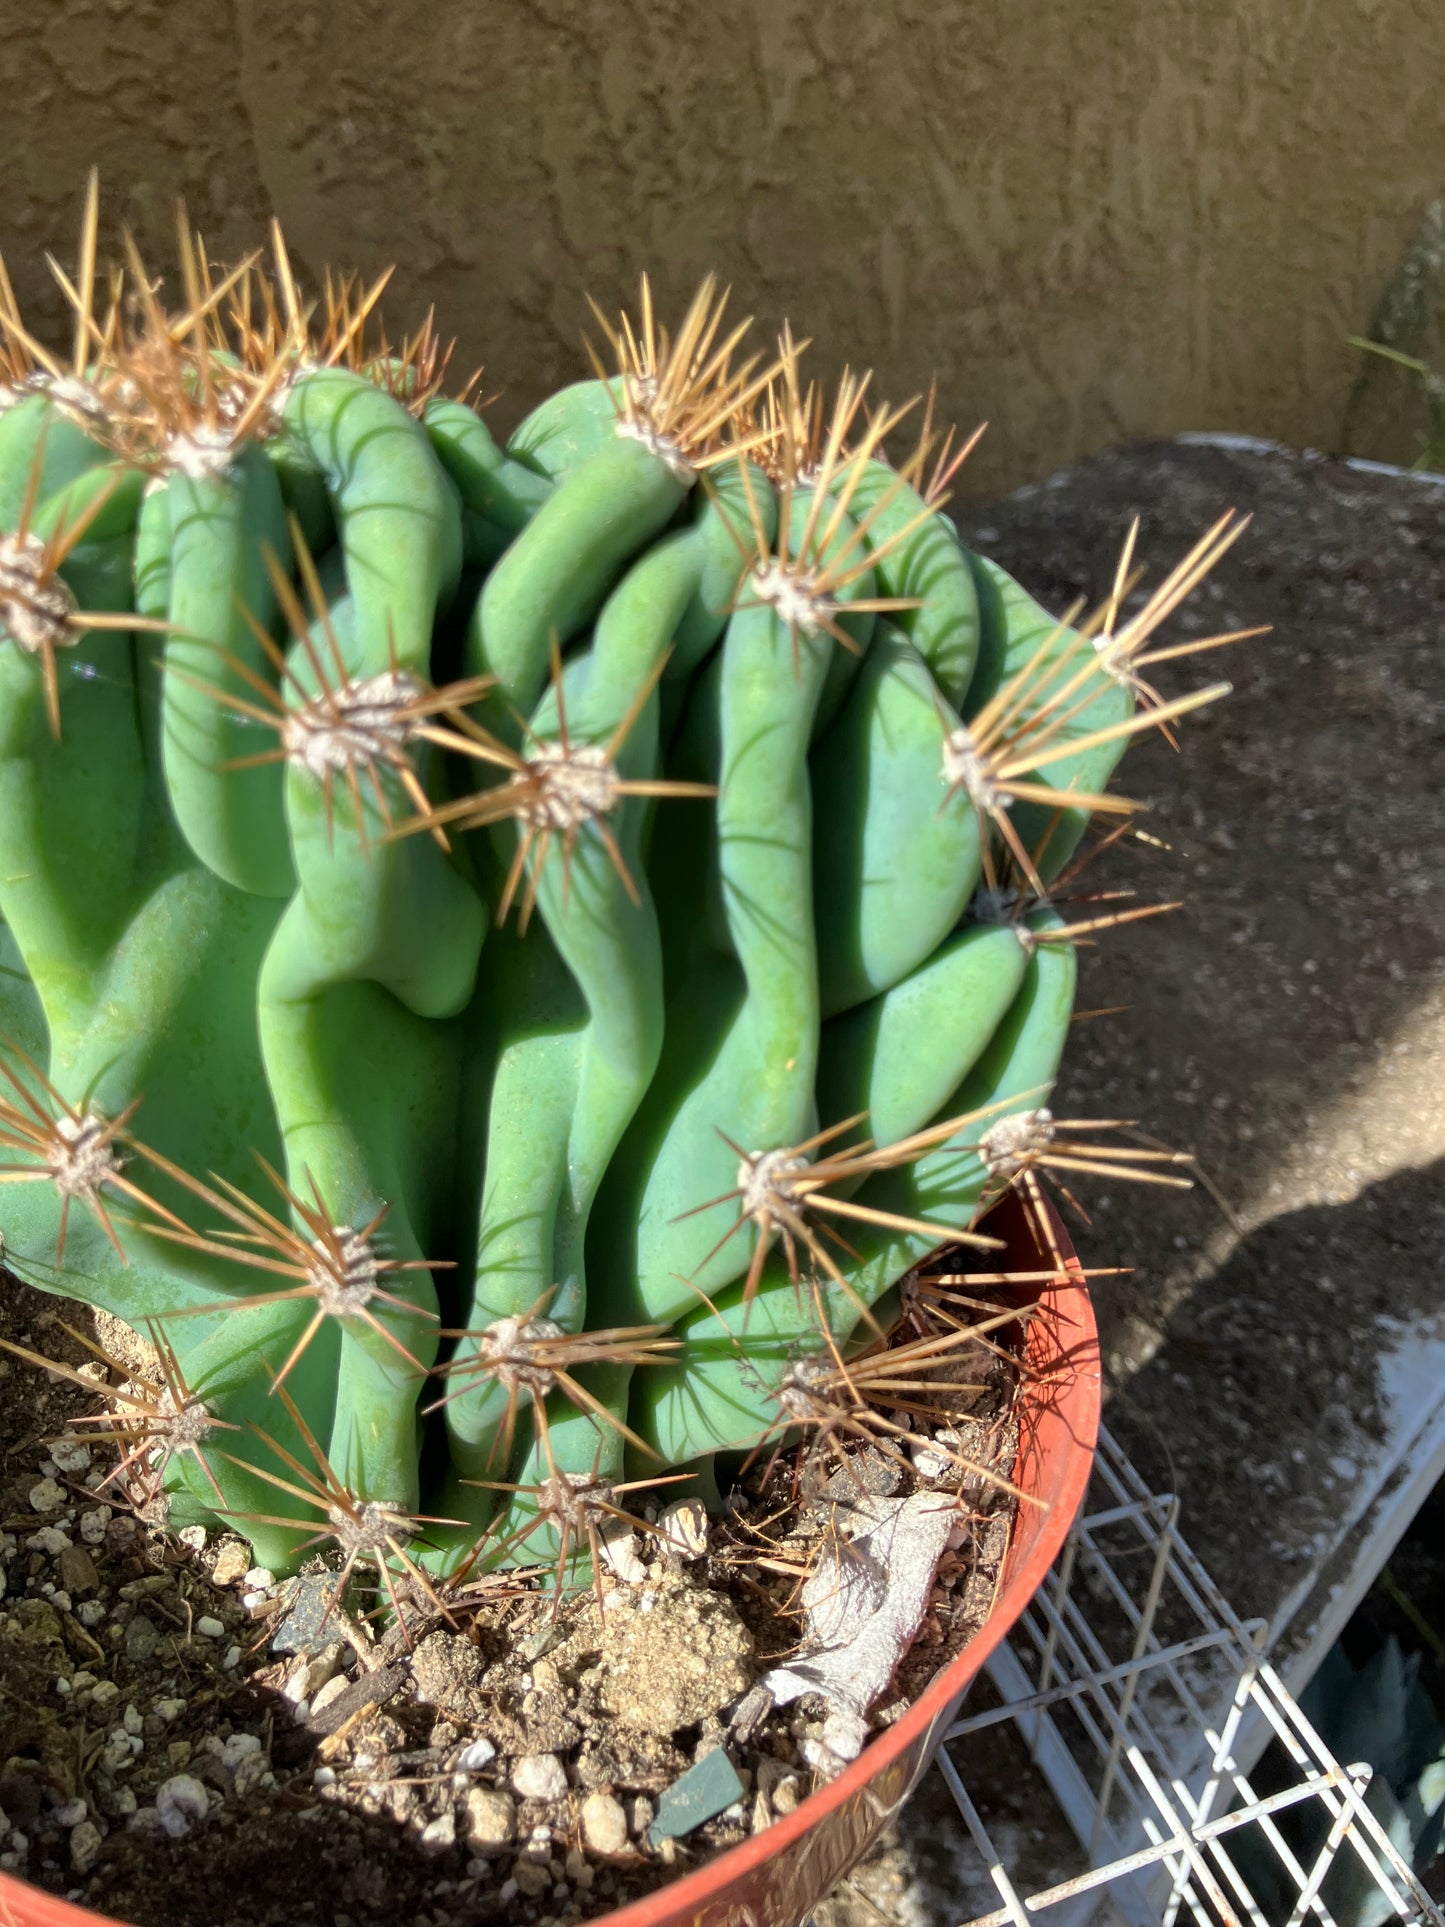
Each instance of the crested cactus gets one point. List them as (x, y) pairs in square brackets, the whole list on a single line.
[(512, 950)]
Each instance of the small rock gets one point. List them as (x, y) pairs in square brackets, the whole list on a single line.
[(531, 1876), (194, 1537), (706, 1789), (867, 1471), (439, 1835), (446, 1670), (307, 1623), (90, 1612), (231, 1659), (145, 1588), (168, 1709), (240, 1746), (619, 1549), (748, 1713), (47, 1496), (71, 1814), (49, 1540), (233, 1562), (181, 1803), (84, 1846), (209, 1627), (142, 1636), (540, 1776), (604, 1823), (546, 1676), (323, 1669), (93, 1523), (640, 1812), (252, 1771), (535, 1644), (683, 1528), (131, 1720), (77, 1570), (474, 1757), (786, 1794), (332, 1690), (70, 1455), (104, 1692), (491, 1820), (259, 1579)]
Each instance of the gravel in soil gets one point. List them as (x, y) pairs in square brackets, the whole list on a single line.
[(184, 1743)]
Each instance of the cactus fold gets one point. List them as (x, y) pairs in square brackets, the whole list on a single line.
[(363, 1027)]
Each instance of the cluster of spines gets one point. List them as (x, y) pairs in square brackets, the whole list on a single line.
[(182, 392)]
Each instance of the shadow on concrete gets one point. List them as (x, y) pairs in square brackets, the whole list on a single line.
[(1260, 1405)]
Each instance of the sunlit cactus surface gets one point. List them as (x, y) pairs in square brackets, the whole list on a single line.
[(512, 953)]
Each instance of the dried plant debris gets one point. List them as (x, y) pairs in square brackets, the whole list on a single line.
[(184, 1738)]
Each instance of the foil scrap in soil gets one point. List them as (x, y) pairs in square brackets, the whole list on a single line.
[(864, 1603)]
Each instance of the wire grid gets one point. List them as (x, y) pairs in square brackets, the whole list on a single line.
[(1131, 1681)]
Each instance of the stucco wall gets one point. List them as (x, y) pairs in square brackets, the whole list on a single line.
[(1093, 218)]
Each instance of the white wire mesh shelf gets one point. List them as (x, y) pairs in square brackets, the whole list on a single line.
[(1196, 1788)]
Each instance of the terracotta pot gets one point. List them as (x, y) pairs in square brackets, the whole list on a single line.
[(776, 1878)]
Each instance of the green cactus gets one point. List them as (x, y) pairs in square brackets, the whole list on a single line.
[(560, 1058)]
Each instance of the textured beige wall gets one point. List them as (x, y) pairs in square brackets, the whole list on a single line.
[(1092, 218)]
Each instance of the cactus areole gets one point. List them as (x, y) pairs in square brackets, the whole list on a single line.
[(511, 953)]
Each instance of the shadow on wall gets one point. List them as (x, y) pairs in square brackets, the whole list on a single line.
[(1145, 226)]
